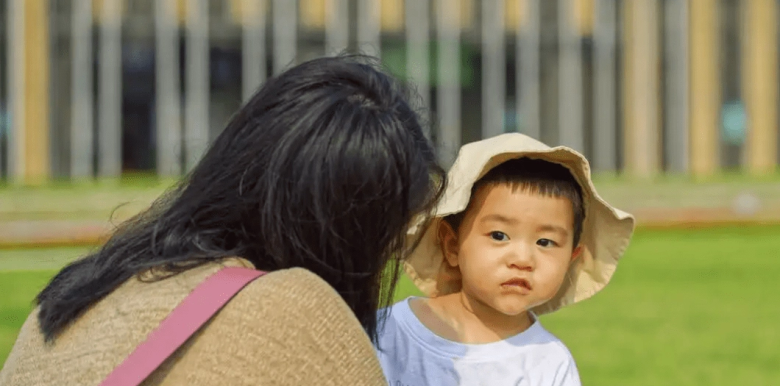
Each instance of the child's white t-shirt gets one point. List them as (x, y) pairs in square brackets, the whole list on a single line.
[(412, 355)]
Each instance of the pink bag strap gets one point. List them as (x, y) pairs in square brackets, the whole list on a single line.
[(193, 312)]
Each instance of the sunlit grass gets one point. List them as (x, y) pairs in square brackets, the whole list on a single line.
[(684, 308)]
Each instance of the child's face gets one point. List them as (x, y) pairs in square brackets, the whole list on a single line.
[(513, 248)]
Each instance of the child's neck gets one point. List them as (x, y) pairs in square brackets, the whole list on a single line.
[(459, 318)]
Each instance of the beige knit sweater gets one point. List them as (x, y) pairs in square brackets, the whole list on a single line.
[(286, 328)]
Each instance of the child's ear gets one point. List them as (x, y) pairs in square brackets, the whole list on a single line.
[(449, 243), (576, 253)]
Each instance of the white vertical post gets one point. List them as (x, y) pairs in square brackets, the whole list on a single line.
[(605, 91), (81, 126), (167, 89), (196, 124), (641, 131), (337, 26), (676, 45), (253, 66), (285, 25), (527, 67), (110, 91), (448, 90), (368, 27), (570, 109), (16, 74), (493, 68), (759, 86), (417, 51)]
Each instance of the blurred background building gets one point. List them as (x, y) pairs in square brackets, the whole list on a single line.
[(97, 88)]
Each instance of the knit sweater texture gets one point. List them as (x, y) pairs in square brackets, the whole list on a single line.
[(288, 327)]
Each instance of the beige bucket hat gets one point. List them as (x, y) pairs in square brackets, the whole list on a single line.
[(606, 230)]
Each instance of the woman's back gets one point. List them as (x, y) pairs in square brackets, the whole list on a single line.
[(315, 179), (250, 342)]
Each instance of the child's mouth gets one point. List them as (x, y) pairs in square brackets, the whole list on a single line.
[(517, 283)]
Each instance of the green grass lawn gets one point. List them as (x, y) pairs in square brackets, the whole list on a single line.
[(685, 308), (18, 288)]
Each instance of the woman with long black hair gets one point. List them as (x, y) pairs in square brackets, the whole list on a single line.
[(315, 180)]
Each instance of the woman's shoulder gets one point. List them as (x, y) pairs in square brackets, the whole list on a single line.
[(299, 279), (289, 326), (296, 291)]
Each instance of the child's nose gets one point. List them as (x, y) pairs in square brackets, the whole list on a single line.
[(522, 258)]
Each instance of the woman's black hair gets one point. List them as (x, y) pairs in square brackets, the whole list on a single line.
[(324, 168)]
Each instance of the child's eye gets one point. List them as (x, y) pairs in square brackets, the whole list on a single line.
[(499, 236), (546, 243)]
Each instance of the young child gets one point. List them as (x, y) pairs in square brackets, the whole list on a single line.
[(520, 232)]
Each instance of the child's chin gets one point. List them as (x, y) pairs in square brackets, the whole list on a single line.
[(516, 309), (513, 310)]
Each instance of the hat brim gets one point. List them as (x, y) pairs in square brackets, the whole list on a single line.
[(606, 230)]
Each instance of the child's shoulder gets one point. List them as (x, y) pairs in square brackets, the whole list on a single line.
[(553, 360), (398, 306), (395, 312), (394, 323), (547, 346)]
